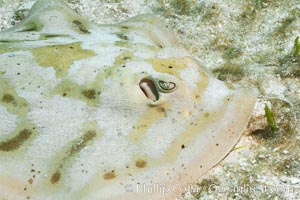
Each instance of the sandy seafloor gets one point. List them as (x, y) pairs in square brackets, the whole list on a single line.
[(248, 42)]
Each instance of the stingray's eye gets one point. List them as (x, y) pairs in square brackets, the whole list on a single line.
[(166, 86), (149, 89), (152, 88)]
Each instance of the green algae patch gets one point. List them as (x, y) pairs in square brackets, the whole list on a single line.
[(270, 132), (179, 7), (20, 14), (283, 118), (296, 48), (207, 185), (231, 52), (182, 6), (290, 63), (61, 57), (270, 118), (285, 25), (69, 89), (229, 71), (11, 101)]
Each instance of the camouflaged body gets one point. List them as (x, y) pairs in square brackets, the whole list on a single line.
[(87, 111)]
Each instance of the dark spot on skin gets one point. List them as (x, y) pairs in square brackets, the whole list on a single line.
[(140, 163), (182, 146), (201, 166), (8, 98), (109, 175), (53, 35), (217, 144), (64, 94), (124, 27), (33, 28), (161, 109), (18, 73), (123, 66), (30, 181), (89, 135), (206, 114), (25, 189), (122, 36), (160, 46), (126, 58), (55, 177), (81, 27), (18, 64), (170, 67), (90, 94), (15, 142)]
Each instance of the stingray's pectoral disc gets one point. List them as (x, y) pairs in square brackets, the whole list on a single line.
[(110, 111)]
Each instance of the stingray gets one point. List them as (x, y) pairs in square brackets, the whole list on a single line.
[(117, 111)]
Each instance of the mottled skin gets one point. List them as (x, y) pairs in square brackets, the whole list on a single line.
[(89, 111)]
